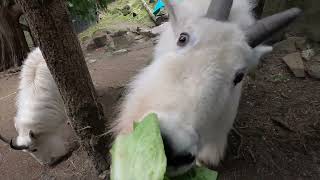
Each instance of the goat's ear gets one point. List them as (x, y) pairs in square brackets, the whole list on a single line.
[(258, 53), (170, 6)]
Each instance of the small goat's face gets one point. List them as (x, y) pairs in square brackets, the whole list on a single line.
[(44, 148)]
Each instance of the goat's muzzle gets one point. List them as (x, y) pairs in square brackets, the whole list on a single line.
[(14, 146)]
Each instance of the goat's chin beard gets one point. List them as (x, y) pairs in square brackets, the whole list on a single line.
[(176, 171)]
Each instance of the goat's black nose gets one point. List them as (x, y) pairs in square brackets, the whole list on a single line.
[(174, 158)]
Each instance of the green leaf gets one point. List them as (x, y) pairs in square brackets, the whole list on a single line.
[(198, 173), (140, 155)]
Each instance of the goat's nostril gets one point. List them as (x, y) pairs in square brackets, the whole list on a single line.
[(181, 160), (176, 158)]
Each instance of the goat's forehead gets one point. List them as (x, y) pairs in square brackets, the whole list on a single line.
[(209, 29)]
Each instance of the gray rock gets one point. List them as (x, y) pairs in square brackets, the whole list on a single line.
[(295, 63), (313, 70), (287, 45), (110, 43), (130, 36), (91, 46), (301, 43), (146, 32), (316, 58), (90, 61), (119, 33), (138, 37), (159, 29), (292, 44), (100, 40)]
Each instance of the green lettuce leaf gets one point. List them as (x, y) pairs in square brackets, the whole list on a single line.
[(140, 155), (197, 173)]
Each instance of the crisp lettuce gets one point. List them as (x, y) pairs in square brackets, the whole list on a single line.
[(197, 173), (141, 156)]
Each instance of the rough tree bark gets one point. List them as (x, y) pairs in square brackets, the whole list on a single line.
[(50, 24), (13, 45)]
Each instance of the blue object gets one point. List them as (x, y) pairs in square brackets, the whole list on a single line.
[(158, 7)]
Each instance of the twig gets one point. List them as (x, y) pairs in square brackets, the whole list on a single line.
[(72, 164), (88, 127), (284, 96), (4, 139), (243, 127), (2, 98), (104, 134), (149, 11), (240, 145), (275, 165), (282, 125), (252, 155)]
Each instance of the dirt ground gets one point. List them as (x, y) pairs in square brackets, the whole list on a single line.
[(276, 134)]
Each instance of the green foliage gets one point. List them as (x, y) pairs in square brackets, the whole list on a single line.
[(86, 9), (112, 17)]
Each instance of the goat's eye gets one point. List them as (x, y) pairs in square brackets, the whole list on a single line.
[(183, 39), (238, 78)]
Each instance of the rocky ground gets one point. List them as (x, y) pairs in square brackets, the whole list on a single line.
[(276, 134)]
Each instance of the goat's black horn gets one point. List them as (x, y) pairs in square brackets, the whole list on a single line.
[(219, 9), (264, 28)]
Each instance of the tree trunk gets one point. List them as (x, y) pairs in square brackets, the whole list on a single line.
[(51, 26), (13, 45)]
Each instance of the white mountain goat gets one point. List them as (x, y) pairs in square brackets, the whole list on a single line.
[(194, 83), (40, 116)]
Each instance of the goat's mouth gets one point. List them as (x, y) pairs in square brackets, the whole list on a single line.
[(180, 164)]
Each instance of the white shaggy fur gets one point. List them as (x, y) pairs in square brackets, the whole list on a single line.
[(39, 109), (191, 88)]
